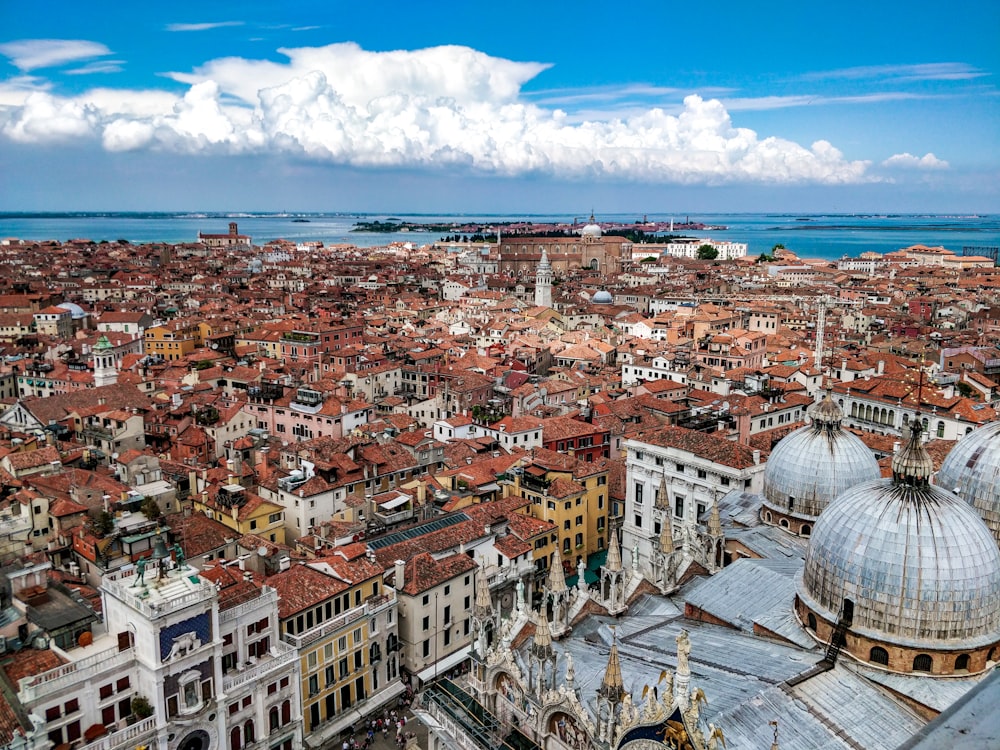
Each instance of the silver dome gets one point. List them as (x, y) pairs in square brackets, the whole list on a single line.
[(972, 468), (602, 297), (918, 564), (810, 467)]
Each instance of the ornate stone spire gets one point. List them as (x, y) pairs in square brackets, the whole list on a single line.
[(714, 521), (614, 561), (662, 497), (557, 579), (666, 537), (541, 644), (612, 687), (912, 465), (483, 608)]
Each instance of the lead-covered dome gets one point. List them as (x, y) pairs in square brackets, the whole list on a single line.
[(810, 467), (602, 297), (914, 565), (972, 470)]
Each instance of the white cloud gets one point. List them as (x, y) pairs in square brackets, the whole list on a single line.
[(443, 107), (97, 66), (201, 26), (29, 54), (44, 118), (909, 161), (945, 71)]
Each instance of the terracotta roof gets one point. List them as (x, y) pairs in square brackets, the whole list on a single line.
[(301, 587), (423, 572)]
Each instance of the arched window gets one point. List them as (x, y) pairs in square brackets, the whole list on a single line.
[(791, 503), (784, 523), (767, 516), (273, 718), (878, 655), (248, 733), (286, 712), (962, 663), (992, 655), (922, 663), (940, 429), (234, 739), (806, 530), (811, 622)]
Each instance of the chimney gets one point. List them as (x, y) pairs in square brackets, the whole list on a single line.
[(399, 576), (756, 458)]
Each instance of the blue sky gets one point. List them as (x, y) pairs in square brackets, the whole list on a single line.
[(511, 107)]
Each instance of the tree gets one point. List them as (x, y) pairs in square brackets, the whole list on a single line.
[(151, 509), (103, 523), (707, 252), (141, 707)]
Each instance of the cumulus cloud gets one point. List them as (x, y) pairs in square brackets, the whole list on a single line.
[(201, 26), (443, 107), (909, 161), (30, 54)]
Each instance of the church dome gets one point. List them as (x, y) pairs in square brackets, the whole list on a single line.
[(972, 469), (593, 229), (603, 297), (76, 312), (914, 566), (813, 465)]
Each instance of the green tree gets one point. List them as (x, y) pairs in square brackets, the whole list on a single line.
[(103, 523), (707, 252), (141, 707), (151, 509)]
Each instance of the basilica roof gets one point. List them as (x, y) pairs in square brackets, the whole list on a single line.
[(918, 564), (816, 463), (972, 470)]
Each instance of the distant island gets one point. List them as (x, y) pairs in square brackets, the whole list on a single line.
[(639, 231)]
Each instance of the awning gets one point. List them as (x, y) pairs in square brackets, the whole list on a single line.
[(589, 576), (596, 560), (395, 502), (323, 735), (439, 668)]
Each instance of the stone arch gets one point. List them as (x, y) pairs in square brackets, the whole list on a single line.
[(962, 663), (783, 523), (806, 530), (923, 663), (878, 655)]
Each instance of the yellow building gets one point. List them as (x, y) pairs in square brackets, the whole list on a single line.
[(344, 623), (573, 496), (244, 512), (172, 341)]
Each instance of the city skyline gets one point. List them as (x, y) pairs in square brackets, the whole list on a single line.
[(340, 108)]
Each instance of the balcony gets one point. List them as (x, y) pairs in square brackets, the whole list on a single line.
[(371, 607), (388, 519), (76, 672), (142, 733), (282, 655)]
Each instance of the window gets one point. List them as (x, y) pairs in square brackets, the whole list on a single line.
[(359, 660), (447, 637), (330, 676), (679, 506), (638, 521), (702, 474), (313, 685), (72, 706), (962, 663), (922, 663), (638, 493), (343, 668), (579, 520), (426, 623), (426, 648), (680, 468), (878, 655), (566, 525)]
